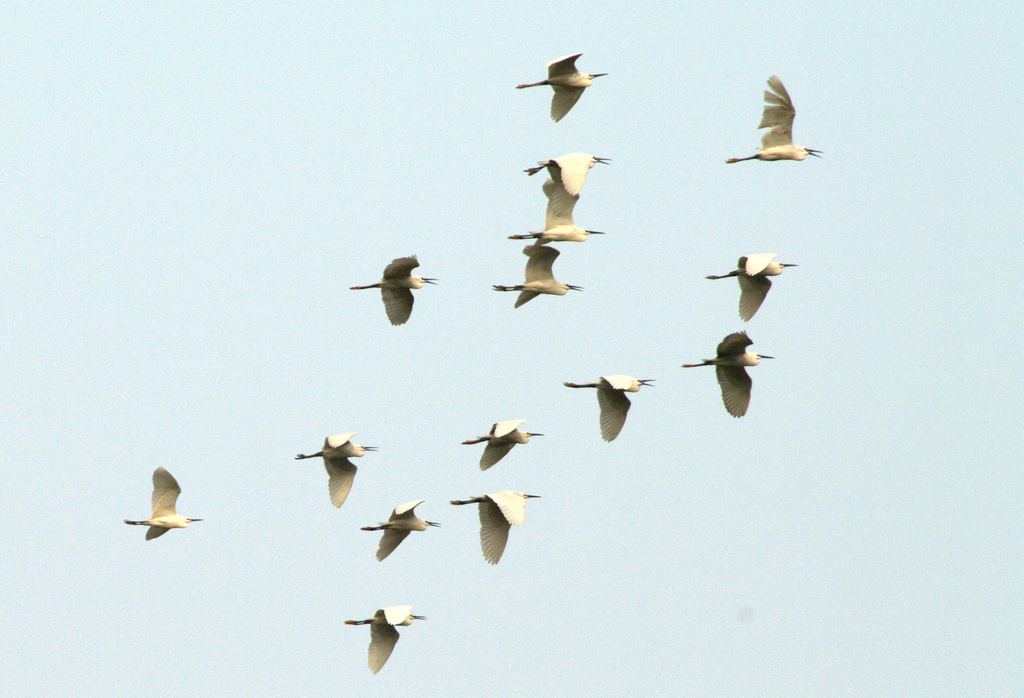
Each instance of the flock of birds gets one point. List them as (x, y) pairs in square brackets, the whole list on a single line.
[(499, 511)]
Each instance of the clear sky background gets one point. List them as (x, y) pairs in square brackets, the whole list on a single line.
[(189, 191)]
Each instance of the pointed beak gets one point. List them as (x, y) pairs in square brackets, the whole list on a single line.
[(646, 381), (603, 161), (530, 433), (194, 520), (428, 281), (418, 617), (790, 265), (370, 448), (574, 288), (433, 523), (595, 232), (598, 75), (764, 356), (532, 496), (811, 151)]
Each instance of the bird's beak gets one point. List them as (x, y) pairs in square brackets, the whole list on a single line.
[(532, 496), (194, 520), (433, 523), (370, 448), (595, 232), (417, 617), (811, 151), (646, 381), (356, 622), (598, 75), (530, 433), (574, 288), (604, 161), (428, 281), (762, 356), (790, 265)]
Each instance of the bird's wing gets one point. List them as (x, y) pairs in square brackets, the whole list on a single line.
[(614, 407), (560, 205), (406, 510), (566, 65), (506, 427), (753, 291), (493, 453), (340, 473), (165, 494), (383, 639), (735, 384), (778, 115), (525, 297), (756, 263), (734, 344), (512, 505), (338, 440), (389, 541), (494, 529), (396, 615), (401, 267), (563, 100), (397, 303), (573, 169), (155, 532), (538, 266)]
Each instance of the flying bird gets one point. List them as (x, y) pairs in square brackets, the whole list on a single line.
[(498, 512), (340, 471), (611, 396), (568, 170), (164, 516), (539, 278), (399, 525), (383, 636), (502, 437), (777, 144), (732, 376), (752, 272), (558, 223), (395, 288), (567, 82)]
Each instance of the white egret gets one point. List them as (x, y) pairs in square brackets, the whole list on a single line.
[(611, 396), (777, 144), (164, 514), (558, 223), (498, 512), (732, 356), (569, 170), (502, 437), (394, 288), (340, 471), (383, 636), (539, 278), (399, 525), (752, 272), (567, 82)]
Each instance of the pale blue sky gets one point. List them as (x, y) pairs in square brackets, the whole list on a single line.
[(189, 191)]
